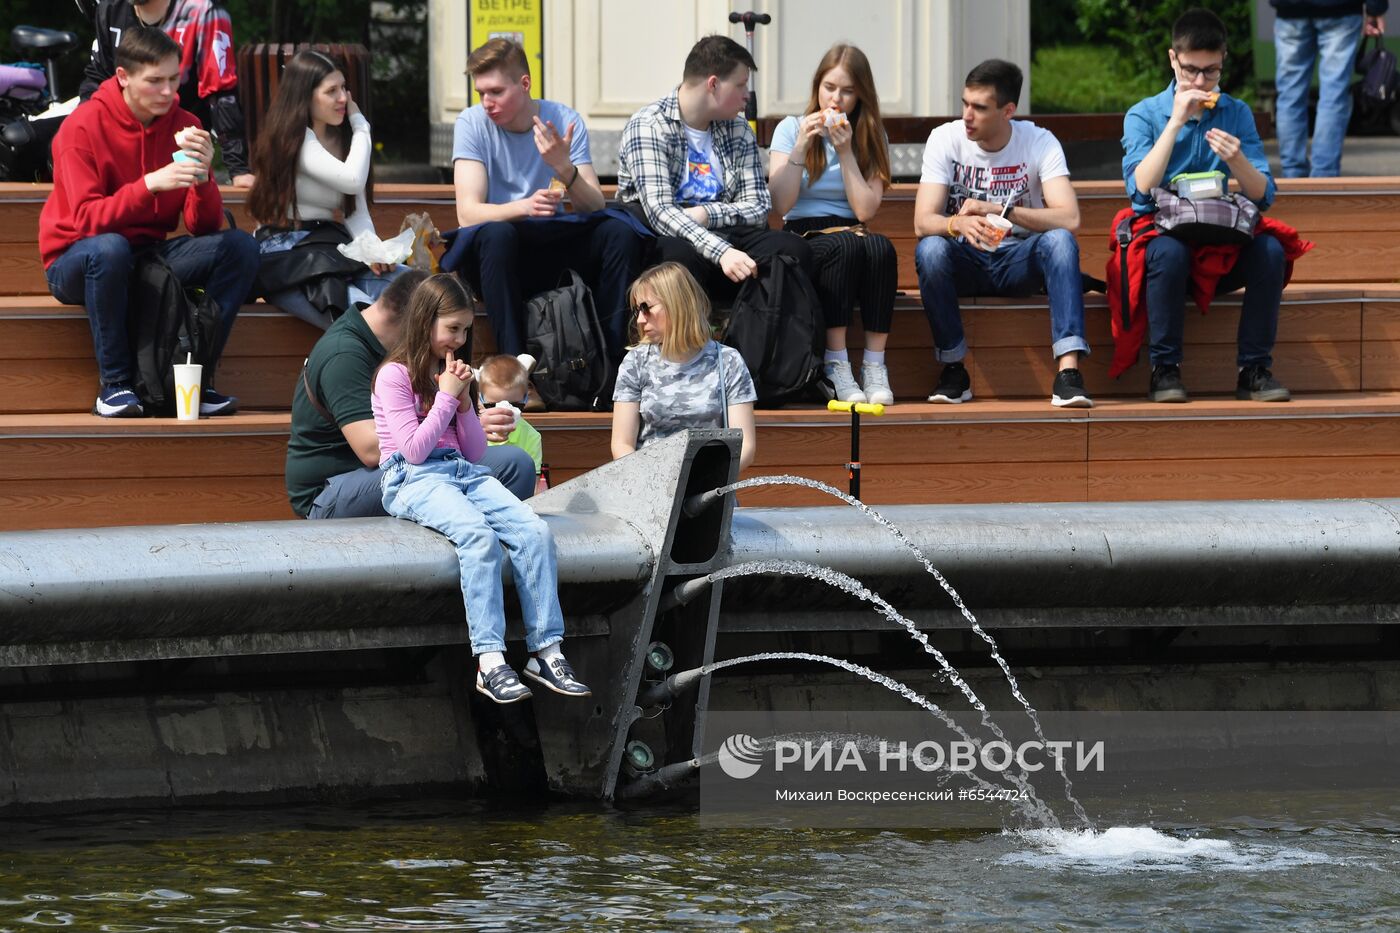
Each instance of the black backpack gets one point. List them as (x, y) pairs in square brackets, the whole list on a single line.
[(1376, 92), (562, 333), (166, 324), (776, 325)]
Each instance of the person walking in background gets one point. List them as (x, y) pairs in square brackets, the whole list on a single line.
[(430, 445), (830, 183), (1321, 34), (978, 172), (313, 164), (676, 376), (208, 71)]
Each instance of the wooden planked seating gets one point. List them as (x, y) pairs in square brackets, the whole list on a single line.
[(1331, 339), (1339, 350), (1354, 221), (73, 470)]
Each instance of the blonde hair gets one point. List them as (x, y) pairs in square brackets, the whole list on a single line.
[(502, 371), (687, 327)]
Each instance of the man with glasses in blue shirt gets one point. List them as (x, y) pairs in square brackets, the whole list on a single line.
[(1193, 127)]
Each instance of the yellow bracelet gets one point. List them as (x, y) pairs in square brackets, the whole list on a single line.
[(951, 234)]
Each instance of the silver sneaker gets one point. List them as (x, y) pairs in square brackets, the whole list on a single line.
[(843, 381), (876, 379)]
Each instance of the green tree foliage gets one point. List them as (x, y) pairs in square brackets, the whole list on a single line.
[(1053, 22), (299, 20), (1142, 31)]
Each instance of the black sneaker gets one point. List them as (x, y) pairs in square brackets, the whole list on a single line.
[(502, 685), (1257, 384), (1166, 385), (212, 403), (954, 385), (1069, 390), (557, 675)]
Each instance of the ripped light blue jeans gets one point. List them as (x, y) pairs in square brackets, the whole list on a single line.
[(462, 501)]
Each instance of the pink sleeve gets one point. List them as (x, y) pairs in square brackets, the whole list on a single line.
[(471, 438), (393, 395)]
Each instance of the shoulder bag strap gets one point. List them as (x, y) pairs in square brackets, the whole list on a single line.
[(311, 397), (723, 390)]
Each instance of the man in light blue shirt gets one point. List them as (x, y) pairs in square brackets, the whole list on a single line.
[(513, 160), (1193, 127)]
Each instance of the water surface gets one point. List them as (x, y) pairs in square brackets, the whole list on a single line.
[(442, 865)]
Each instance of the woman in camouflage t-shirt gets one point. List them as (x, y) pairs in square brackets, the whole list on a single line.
[(670, 378)]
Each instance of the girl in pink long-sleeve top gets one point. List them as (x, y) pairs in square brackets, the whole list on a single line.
[(429, 443)]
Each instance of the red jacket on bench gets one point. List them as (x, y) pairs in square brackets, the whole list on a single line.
[(1209, 264)]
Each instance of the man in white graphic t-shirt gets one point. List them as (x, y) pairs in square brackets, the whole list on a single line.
[(979, 169)]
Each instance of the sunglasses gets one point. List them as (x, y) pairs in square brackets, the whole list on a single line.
[(643, 307)]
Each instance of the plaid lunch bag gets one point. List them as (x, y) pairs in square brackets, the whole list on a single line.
[(1208, 221)]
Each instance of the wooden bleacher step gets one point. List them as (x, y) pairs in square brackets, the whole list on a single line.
[(1339, 351)]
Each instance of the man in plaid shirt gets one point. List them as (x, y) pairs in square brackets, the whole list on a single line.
[(689, 167)]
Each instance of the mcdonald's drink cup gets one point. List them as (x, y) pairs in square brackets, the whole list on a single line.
[(187, 376), (1003, 227)]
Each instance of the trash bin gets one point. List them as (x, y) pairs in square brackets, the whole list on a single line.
[(260, 72)]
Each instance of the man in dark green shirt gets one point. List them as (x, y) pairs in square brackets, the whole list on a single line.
[(333, 453)]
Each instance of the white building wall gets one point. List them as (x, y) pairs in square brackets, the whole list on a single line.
[(608, 58)]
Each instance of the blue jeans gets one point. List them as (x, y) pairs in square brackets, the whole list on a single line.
[(462, 501), (358, 493), (1328, 42), (94, 272), (1047, 261), (508, 262), (1259, 271)]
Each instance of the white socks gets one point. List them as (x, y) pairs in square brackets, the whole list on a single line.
[(842, 356), (490, 660)]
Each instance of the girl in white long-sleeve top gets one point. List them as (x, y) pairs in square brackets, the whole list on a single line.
[(313, 192)]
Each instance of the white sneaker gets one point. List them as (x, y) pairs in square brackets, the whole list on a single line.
[(876, 379), (843, 381)]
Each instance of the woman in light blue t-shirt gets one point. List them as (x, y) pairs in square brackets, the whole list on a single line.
[(828, 171)]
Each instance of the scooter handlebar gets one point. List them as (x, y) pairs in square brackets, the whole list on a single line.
[(860, 408), (751, 18)]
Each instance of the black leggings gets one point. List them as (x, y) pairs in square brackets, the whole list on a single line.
[(849, 265)]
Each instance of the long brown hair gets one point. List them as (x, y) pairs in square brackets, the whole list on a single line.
[(868, 132), (438, 296), (278, 152)]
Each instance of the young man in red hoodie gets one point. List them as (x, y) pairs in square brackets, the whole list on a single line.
[(118, 188)]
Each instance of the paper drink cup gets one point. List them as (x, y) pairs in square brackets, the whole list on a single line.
[(1002, 228), (180, 155), (187, 378)]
